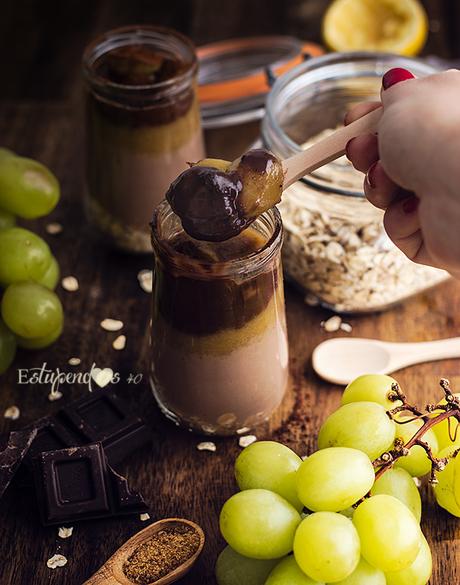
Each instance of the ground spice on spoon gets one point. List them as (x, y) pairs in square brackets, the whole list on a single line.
[(165, 551)]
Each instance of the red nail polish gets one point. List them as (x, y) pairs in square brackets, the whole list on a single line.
[(370, 175), (410, 204), (394, 76)]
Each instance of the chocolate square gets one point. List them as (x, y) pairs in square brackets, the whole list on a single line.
[(52, 435), (13, 448), (71, 483)]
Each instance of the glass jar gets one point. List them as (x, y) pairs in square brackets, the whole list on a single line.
[(335, 246), (219, 352), (143, 125)]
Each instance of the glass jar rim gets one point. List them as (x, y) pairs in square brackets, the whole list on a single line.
[(220, 269), (135, 34), (270, 125)]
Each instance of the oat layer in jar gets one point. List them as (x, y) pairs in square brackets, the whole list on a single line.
[(219, 352), (335, 246), (143, 126)]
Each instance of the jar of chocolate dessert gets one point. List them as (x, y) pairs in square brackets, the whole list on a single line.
[(336, 248), (219, 351), (143, 126)]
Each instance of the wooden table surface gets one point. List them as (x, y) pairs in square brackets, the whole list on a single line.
[(40, 116)]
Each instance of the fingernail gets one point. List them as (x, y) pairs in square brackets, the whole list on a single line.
[(410, 204), (370, 175), (394, 76)]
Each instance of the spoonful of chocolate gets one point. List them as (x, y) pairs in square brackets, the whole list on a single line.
[(217, 199)]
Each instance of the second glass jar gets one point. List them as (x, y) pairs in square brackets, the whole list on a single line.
[(143, 126)]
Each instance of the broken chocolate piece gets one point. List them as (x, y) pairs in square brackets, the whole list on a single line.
[(13, 449), (77, 484)]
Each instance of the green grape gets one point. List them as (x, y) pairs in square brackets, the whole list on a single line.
[(7, 219), (259, 524), (370, 388), (398, 482), (418, 573), (25, 256), (364, 574), (417, 462), (51, 276), (448, 479), (334, 479), (326, 547), (441, 430), (234, 569), (271, 466), (389, 533), (39, 342), (287, 572), (359, 425), (27, 188), (7, 347), (30, 310)]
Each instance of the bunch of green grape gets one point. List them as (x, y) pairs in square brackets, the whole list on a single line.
[(327, 519), (31, 313)]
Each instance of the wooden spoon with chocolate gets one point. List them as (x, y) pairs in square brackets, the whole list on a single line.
[(217, 199), (160, 554)]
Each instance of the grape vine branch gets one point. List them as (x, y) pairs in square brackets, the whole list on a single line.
[(447, 411)]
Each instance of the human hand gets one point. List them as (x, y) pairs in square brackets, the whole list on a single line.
[(412, 165)]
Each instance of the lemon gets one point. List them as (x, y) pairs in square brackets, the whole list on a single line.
[(391, 26)]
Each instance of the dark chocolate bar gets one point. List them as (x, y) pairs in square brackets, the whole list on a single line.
[(78, 484), (99, 416), (13, 448)]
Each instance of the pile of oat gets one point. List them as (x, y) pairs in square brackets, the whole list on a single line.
[(335, 247)]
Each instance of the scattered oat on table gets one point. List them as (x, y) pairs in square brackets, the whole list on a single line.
[(53, 228), (332, 324), (145, 278), (144, 517), (311, 300), (119, 343), (111, 324), (54, 395), (346, 327), (242, 431), (74, 361), (12, 413), (206, 446), (65, 532), (56, 561), (247, 440), (70, 284)]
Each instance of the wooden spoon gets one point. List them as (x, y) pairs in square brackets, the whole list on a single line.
[(341, 360), (328, 149), (111, 572)]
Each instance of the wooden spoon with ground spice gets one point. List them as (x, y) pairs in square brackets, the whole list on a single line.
[(159, 554)]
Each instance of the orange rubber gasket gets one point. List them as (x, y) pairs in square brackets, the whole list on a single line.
[(250, 85)]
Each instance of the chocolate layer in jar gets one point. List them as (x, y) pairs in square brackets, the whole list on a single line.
[(143, 126), (219, 345)]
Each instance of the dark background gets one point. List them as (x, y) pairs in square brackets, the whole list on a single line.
[(41, 43)]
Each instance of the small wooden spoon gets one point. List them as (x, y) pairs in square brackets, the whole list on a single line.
[(111, 572), (328, 149)]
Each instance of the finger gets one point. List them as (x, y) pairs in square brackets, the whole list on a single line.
[(363, 151), (379, 189), (359, 111), (402, 78), (402, 224)]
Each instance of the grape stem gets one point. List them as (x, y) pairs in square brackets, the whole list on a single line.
[(451, 409)]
